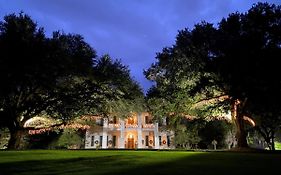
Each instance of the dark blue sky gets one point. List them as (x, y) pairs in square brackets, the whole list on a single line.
[(130, 30)]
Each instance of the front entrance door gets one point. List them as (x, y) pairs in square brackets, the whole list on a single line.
[(131, 144)]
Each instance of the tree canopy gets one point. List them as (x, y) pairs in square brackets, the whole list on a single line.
[(233, 66), (59, 76)]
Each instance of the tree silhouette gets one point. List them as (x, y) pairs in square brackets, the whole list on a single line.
[(58, 77), (34, 70)]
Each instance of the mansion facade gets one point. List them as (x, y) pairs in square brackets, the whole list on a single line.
[(135, 132)]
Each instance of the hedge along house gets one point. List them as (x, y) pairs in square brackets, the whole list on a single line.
[(135, 132)]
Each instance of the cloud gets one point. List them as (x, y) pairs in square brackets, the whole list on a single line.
[(131, 30)]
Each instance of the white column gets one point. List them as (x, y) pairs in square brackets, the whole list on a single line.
[(122, 139), (110, 138), (156, 136), (87, 139), (139, 131), (104, 139), (164, 121), (105, 122), (104, 133)]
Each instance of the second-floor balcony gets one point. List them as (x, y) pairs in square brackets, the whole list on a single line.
[(134, 122), (131, 126), (114, 125), (149, 125)]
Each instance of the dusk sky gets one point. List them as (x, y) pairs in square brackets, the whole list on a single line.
[(130, 30)]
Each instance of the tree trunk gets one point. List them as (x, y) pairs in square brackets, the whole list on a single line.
[(267, 140), (241, 134), (272, 145), (237, 116), (16, 137), (266, 134), (272, 141)]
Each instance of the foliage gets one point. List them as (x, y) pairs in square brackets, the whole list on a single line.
[(187, 134), (4, 138), (255, 139), (278, 145), (58, 77), (267, 125), (238, 60), (39, 73), (43, 140), (215, 130), (70, 139), (116, 76), (199, 133)]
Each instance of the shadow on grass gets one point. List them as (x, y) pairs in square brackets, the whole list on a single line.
[(215, 163), (202, 163), (79, 166)]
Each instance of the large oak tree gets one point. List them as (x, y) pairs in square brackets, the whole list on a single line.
[(37, 72), (233, 66), (60, 77)]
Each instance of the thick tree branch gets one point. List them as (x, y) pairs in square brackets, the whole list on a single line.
[(45, 127), (212, 100), (249, 120)]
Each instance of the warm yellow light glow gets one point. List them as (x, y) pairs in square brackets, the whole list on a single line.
[(228, 115), (131, 136)]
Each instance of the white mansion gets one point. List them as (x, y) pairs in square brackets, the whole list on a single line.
[(137, 131)]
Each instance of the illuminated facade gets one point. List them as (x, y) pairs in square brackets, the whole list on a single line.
[(136, 132)]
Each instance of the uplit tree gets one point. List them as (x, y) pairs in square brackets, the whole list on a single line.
[(116, 77), (231, 67)]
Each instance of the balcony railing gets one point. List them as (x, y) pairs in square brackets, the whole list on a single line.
[(112, 125), (131, 125), (145, 126), (150, 125)]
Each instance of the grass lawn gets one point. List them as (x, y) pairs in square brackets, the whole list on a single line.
[(86, 162)]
